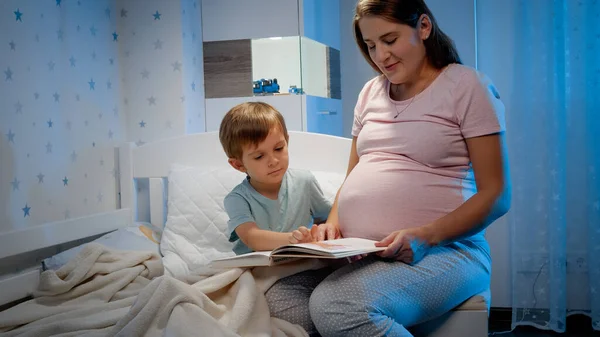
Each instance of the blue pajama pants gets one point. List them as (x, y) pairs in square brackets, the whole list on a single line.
[(376, 297)]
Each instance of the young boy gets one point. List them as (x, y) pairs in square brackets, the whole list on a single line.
[(274, 205)]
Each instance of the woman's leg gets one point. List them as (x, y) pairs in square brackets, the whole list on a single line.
[(288, 298), (373, 297)]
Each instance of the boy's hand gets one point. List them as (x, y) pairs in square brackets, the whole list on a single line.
[(303, 235), (327, 231)]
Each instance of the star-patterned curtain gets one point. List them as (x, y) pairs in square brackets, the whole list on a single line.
[(553, 123), (79, 77)]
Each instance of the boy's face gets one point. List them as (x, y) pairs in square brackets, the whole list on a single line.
[(267, 162)]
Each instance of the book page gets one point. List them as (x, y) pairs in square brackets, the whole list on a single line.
[(333, 246)]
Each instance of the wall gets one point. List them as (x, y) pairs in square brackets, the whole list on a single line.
[(458, 20), (59, 111), (161, 60), (78, 79), (494, 35)]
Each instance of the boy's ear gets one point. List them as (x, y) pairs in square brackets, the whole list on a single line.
[(237, 164)]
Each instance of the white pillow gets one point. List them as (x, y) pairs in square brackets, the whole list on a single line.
[(330, 182), (194, 233), (196, 227)]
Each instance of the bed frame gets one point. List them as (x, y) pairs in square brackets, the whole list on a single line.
[(152, 161)]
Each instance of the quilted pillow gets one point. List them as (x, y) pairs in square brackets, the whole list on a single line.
[(194, 233), (196, 223)]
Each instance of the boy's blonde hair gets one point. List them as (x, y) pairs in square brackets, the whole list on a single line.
[(249, 123)]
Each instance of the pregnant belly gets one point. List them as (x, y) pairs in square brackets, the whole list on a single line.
[(378, 198)]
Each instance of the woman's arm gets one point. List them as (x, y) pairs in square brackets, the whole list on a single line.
[(330, 230), (493, 197)]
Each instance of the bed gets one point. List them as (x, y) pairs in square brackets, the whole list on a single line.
[(156, 246)]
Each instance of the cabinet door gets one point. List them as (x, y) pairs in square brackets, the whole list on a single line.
[(323, 115)]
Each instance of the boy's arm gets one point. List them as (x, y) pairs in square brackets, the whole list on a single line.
[(259, 239)]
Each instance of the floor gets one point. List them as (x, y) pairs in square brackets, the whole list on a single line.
[(577, 326)]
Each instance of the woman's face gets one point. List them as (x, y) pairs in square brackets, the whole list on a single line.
[(397, 49)]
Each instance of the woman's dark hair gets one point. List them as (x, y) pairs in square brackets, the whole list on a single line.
[(439, 47)]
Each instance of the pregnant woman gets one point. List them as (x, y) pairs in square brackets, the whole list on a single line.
[(426, 175)]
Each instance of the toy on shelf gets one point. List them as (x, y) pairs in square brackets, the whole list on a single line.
[(294, 90), (265, 87)]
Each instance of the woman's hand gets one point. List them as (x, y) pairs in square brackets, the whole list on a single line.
[(406, 245), (327, 231)]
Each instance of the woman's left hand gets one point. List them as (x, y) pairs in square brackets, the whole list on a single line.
[(406, 245)]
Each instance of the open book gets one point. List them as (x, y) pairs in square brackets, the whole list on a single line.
[(330, 249)]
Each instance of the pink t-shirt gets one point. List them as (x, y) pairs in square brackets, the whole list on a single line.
[(415, 168)]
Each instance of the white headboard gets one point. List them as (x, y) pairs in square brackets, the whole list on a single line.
[(309, 151)]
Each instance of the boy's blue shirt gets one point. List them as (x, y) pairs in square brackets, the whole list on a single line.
[(299, 203)]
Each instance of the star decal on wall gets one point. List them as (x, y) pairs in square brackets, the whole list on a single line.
[(78, 28), (50, 123), (73, 156), (18, 107), (18, 15), (26, 210), (176, 66), (8, 73), (12, 45), (115, 36), (151, 100), (15, 184), (36, 95), (145, 73), (99, 196), (65, 181), (49, 147), (100, 115), (59, 34), (58, 3), (107, 12), (56, 97), (110, 134), (51, 65), (142, 124), (11, 136), (156, 15), (158, 44), (92, 84), (109, 85), (111, 61), (93, 30), (40, 178), (123, 13), (77, 97), (72, 60), (194, 86)]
